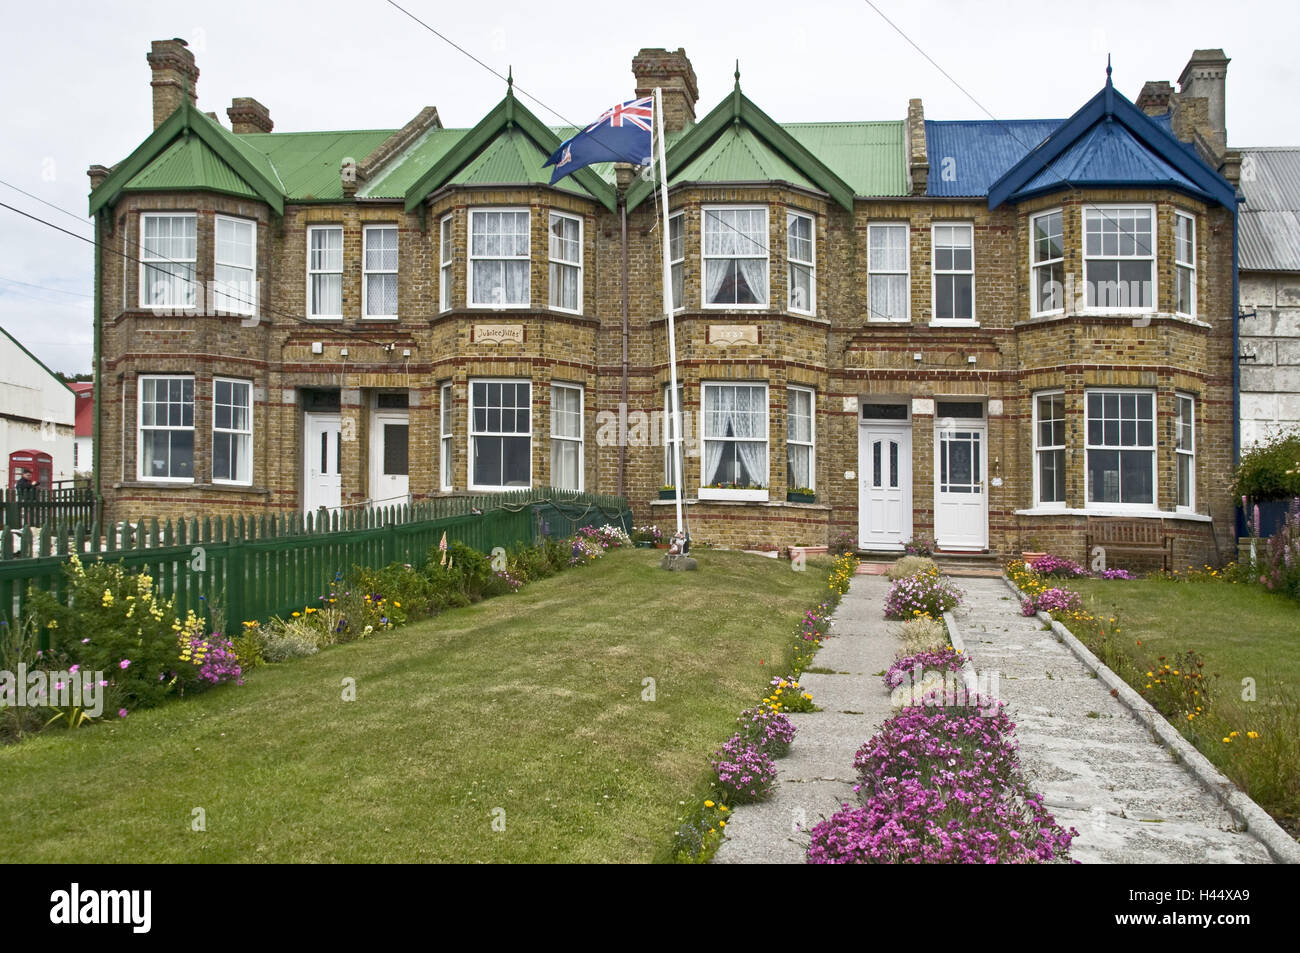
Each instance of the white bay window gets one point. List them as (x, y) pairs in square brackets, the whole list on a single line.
[(499, 248), (735, 257), (168, 251), (501, 434), (735, 437)]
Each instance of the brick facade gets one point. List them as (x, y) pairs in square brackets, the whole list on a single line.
[(838, 351)]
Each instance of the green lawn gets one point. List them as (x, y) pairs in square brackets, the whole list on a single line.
[(1248, 637), (531, 703)]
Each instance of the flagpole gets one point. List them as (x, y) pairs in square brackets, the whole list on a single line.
[(668, 311)]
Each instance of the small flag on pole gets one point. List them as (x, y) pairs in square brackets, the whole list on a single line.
[(621, 134), (442, 548)]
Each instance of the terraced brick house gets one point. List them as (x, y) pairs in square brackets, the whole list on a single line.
[(989, 333)]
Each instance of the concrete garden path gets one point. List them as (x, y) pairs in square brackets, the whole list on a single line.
[(1097, 766)]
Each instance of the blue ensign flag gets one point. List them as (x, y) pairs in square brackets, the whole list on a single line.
[(621, 134)]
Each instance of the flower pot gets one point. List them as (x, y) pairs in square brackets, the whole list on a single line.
[(801, 497), (661, 545), (1030, 557), (667, 494)]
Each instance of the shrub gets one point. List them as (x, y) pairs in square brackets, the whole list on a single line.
[(939, 746), (787, 695), (114, 622), (844, 543), (1278, 560), (1054, 600), (923, 634), (290, 641), (745, 772), (919, 546), (462, 570), (770, 731), (1271, 469), (942, 660), (1178, 688), (406, 590), (910, 566), (1057, 566), (927, 594), (209, 660)]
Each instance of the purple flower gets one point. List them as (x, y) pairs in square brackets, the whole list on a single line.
[(124, 663)]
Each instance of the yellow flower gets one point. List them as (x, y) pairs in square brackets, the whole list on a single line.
[(722, 823), (708, 804), (1227, 740), (296, 614), (1252, 734), (722, 807)]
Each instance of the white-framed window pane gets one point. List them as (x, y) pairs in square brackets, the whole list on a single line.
[(1119, 268), (446, 437), (566, 437), (735, 256), (735, 434), (1049, 446), (325, 270), (445, 260), (954, 279), (232, 431), (501, 433), (379, 265), (1185, 451), (168, 250), (1120, 431), (800, 451), (672, 442), (677, 258), (166, 422)]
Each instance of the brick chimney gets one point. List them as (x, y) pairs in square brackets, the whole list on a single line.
[(918, 159), (174, 77), (1205, 76), (1155, 97), (671, 72), (248, 115)]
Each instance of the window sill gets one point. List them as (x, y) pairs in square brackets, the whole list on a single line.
[(379, 317), (191, 485), (1117, 511), (954, 324), (742, 496)]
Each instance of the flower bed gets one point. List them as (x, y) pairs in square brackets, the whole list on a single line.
[(926, 594), (941, 785), (742, 769)]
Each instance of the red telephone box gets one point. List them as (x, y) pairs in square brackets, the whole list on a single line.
[(39, 467)]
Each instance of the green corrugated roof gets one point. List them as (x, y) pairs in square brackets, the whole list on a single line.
[(512, 158), (400, 173), (307, 163), (869, 156), (188, 163), (738, 155)]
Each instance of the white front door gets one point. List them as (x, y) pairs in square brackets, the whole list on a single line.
[(960, 495), (389, 458), (322, 485), (884, 487)]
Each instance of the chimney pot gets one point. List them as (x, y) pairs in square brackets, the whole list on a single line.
[(175, 77), (674, 75), (1205, 76), (248, 115)]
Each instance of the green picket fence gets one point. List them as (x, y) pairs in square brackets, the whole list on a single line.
[(257, 567)]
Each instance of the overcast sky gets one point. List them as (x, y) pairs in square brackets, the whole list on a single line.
[(77, 85)]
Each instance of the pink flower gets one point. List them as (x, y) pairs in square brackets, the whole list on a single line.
[(124, 663), (85, 641), (73, 669), (121, 713)]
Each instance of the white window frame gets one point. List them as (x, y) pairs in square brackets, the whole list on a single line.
[(1188, 265), (1089, 447), (313, 272), (673, 442), (811, 442), (140, 428), (578, 440), (1049, 264), (760, 494), (233, 301), (190, 299), (472, 434), (445, 255), (556, 264), (766, 257), (792, 262), (470, 258), (446, 438), (1106, 211), (367, 271), (677, 261), (245, 434), (1187, 453), (936, 272), (875, 269), (1040, 448)]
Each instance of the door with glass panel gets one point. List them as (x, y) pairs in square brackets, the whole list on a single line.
[(323, 485), (960, 496), (390, 451), (885, 486)]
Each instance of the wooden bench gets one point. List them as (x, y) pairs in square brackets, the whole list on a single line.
[(1140, 537)]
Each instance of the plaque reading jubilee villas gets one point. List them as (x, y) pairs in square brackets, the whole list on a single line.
[(498, 333), (733, 333)]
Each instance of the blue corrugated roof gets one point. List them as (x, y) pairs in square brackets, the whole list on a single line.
[(1107, 154), (967, 157)]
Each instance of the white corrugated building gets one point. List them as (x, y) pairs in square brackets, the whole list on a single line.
[(37, 410)]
